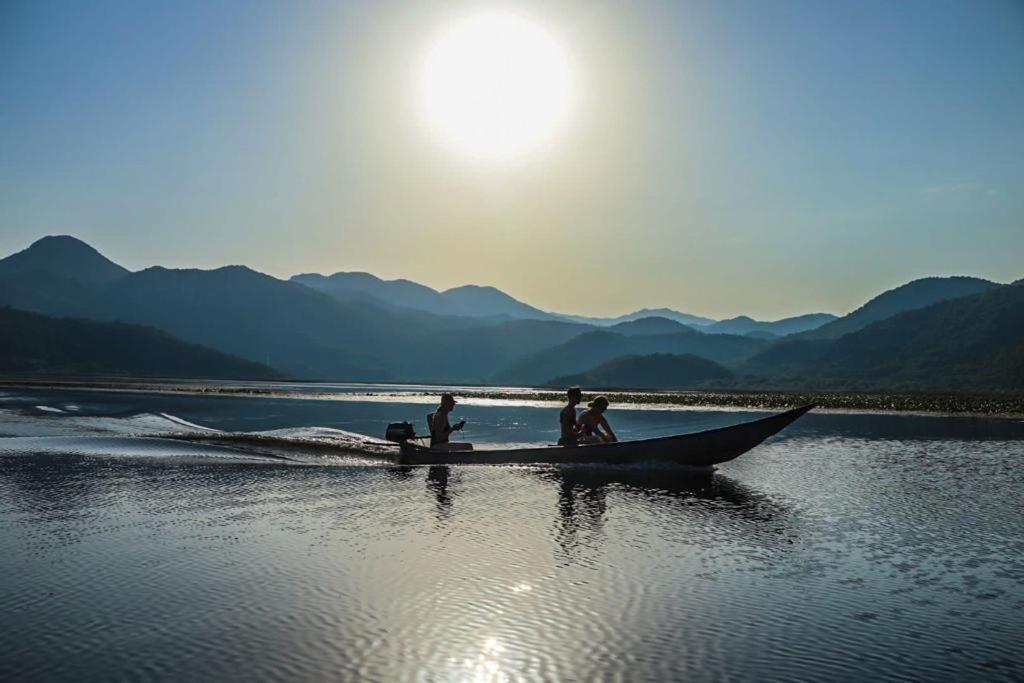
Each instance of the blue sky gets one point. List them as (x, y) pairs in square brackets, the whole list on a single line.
[(723, 157)]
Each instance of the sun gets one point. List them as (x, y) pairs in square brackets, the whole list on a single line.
[(496, 86)]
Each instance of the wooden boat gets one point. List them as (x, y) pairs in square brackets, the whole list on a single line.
[(699, 449)]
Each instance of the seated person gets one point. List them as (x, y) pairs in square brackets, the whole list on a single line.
[(593, 425), (440, 430), (570, 435)]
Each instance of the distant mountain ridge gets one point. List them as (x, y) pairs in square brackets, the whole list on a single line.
[(969, 343), (468, 300), (476, 301), (913, 295), (354, 334), (404, 293), (296, 329), (778, 328), (694, 321)]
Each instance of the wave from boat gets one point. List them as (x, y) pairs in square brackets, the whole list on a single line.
[(151, 435), (305, 444)]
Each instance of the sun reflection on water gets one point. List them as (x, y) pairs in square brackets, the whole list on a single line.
[(485, 667)]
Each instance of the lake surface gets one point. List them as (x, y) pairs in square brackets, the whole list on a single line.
[(849, 547)]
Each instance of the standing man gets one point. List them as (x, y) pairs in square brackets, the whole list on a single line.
[(567, 418)]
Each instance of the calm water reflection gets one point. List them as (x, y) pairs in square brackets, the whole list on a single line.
[(851, 548)]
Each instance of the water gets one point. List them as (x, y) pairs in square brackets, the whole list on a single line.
[(849, 547)]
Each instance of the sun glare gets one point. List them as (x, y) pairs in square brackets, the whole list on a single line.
[(496, 86)]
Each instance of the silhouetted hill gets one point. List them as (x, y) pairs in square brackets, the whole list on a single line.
[(466, 301), (651, 325), (67, 257), (252, 315), (593, 348), (303, 332), (656, 371), (970, 343), (53, 275), (36, 344), (908, 297), (746, 325), (694, 321), (310, 334), (479, 301), (401, 293)]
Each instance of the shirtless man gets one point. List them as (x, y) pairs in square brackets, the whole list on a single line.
[(593, 425), (567, 418), (440, 430)]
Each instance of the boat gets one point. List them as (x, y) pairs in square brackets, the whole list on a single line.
[(697, 449)]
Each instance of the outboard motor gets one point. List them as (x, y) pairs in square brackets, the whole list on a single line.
[(399, 432)]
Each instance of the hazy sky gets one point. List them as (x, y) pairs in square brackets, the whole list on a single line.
[(768, 158)]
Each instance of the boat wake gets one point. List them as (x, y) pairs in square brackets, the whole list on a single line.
[(161, 435)]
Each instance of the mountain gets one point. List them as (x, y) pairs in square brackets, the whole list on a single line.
[(65, 256), (652, 325), (308, 334), (233, 310), (480, 302), (908, 297), (36, 344), (595, 347), (471, 301), (778, 328), (52, 275), (656, 371), (301, 331), (401, 293), (240, 311), (971, 343), (311, 334), (694, 321)]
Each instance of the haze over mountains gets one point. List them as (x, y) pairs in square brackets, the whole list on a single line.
[(488, 302), (355, 326)]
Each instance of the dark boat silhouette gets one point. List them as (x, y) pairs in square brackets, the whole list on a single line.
[(699, 449)]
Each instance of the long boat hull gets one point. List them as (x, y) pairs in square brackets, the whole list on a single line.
[(699, 449)]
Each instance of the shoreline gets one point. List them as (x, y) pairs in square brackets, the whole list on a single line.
[(934, 404)]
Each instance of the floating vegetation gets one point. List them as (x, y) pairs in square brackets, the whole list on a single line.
[(956, 404), (878, 401)]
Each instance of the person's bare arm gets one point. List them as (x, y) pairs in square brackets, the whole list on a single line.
[(610, 436), (581, 425)]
